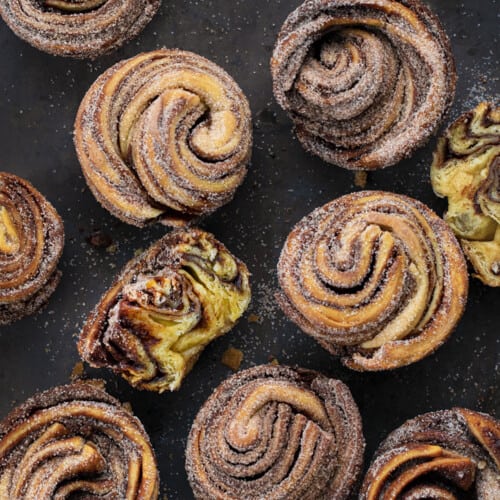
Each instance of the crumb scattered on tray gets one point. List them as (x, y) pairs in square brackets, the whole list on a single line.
[(360, 179), (253, 318), (99, 239), (77, 372), (232, 358)]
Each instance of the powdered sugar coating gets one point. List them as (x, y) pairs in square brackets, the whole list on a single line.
[(75, 440), (459, 446), (365, 82), (375, 277), (165, 136), (78, 29), (275, 432), (31, 243)]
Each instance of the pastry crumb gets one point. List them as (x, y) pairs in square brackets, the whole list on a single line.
[(361, 178), (254, 318), (77, 372), (232, 358), (99, 239)]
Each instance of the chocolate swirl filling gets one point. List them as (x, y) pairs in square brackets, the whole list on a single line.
[(466, 170), (75, 441), (445, 455), (31, 243), (374, 277), (276, 432), (165, 136), (365, 83), (77, 28)]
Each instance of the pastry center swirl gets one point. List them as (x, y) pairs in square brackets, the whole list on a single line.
[(73, 6), (9, 238)]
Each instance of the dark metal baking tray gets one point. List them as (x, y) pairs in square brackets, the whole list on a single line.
[(39, 96)]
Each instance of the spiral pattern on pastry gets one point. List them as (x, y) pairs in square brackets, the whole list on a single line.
[(165, 136), (77, 28), (365, 83), (445, 455), (275, 432), (375, 277), (164, 308), (31, 242), (75, 441), (466, 170)]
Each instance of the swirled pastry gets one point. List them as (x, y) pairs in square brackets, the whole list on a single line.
[(466, 170), (75, 441), (31, 242), (365, 83), (275, 432), (165, 136), (77, 28), (375, 277), (446, 455), (164, 308)]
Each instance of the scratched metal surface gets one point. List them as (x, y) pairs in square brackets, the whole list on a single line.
[(39, 95)]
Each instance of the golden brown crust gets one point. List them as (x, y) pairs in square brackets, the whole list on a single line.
[(75, 439), (164, 308), (77, 28), (466, 170), (31, 243), (365, 83), (165, 136), (442, 455), (375, 277), (276, 432)]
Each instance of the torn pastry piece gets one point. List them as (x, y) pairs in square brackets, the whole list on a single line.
[(75, 441), (375, 277), (164, 308), (366, 83), (84, 29), (466, 170), (164, 137), (31, 243), (275, 432), (447, 455)]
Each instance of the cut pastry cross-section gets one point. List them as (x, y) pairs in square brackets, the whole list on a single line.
[(466, 170), (164, 308)]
